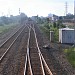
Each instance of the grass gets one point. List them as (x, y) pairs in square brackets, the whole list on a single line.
[(6, 28), (70, 54)]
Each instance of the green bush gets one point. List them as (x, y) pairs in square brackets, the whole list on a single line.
[(6, 28), (46, 28), (70, 54)]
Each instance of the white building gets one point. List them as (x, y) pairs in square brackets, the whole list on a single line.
[(66, 35)]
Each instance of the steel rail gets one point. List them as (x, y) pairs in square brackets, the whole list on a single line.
[(25, 65), (43, 71), (10, 37), (30, 65), (49, 71), (27, 56), (10, 46), (41, 57)]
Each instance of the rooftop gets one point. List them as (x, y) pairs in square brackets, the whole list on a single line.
[(66, 28)]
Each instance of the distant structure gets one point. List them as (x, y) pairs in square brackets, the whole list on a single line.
[(52, 17), (74, 7), (74, 23), (2, 14), (66, 9), (51, 36), (19, 11), (8, 15), (66, 35)]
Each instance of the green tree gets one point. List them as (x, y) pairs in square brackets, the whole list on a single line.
[(23, 17), (4, 20), (54, 24)]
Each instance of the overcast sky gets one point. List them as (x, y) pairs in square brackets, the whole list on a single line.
[(34, 7)]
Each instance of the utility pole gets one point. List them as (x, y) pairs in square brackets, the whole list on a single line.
[(8, 13), (19, 11), (2, 14), (74, 23), (66, 9)]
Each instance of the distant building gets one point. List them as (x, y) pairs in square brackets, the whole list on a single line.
[(66, 35), (34, 18), (69, 18), (53, 18), (50, 15)]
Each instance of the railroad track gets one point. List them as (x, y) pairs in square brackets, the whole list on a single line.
[(11, 36), (15, 55), (50, 58), (35, 63), (5, 47)]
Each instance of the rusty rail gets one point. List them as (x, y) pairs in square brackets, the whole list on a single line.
[(27, 56), (42, 60)]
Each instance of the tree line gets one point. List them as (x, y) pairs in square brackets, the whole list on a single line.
[(13, 19)]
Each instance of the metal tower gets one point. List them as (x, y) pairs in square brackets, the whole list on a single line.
[(74, 8), (66, 9), (19, 11)]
